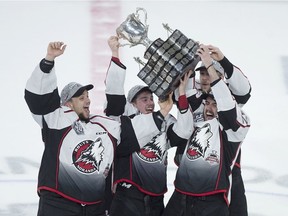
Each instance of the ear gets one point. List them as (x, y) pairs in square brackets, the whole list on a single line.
[(134, 104), (69, 104)]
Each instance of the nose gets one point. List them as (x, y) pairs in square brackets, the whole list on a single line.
[(151, 102), (206, 77), (88, 101)]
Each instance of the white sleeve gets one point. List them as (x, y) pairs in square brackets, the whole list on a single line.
[(115, 80), (238, 83), (41, 83), (223, 97), (183, 127)]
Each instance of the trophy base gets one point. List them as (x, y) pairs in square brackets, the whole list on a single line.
[(167, 62), (152, 48)]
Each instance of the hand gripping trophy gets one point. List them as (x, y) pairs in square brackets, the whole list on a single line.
[(167, 61)]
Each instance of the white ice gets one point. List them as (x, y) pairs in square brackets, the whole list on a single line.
[(252, 34)]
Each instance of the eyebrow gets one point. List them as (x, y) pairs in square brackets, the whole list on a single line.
[(213, 101), (144, 97)]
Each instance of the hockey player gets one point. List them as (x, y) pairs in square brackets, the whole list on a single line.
[(140, 173), (240, 88), (78, 146), (203, 179)]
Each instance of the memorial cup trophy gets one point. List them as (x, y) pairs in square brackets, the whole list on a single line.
[(167, 61)]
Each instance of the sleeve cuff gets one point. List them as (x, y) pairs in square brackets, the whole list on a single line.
[(183, 103), (46, 66), (118, 62)]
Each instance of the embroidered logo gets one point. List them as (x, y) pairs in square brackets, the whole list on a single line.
[(198, 117), (199, 142), (124, 184), (155, 150), (77, 127), (88, 155), (213, 158)]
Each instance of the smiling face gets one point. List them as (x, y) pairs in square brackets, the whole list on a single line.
[(80, 105), (205, 80), (144, 102), (210, 109)]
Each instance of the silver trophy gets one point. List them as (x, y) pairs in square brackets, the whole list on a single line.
[(167, 61), (133, 30)]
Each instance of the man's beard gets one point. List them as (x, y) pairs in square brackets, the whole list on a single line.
[(82, 118)]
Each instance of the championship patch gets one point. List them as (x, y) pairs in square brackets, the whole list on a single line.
[(77, 127), (213, 158)]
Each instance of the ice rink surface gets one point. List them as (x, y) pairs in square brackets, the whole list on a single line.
[(252, 35)]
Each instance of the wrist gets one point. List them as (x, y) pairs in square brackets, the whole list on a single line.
[(49, 58), (48, 62), (115, 53), (211, 64)]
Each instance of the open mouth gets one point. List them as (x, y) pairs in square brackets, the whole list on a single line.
[(149, 109), (86, 109), (209, 115)]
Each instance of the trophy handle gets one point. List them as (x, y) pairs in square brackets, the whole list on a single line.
[(126, 44), (145, 14), (167, 27), (139, 61)]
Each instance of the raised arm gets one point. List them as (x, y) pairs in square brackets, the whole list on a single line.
[(182, 129), (115, 80), (238, 83), (41, 92)]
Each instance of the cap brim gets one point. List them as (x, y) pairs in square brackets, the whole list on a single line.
[(144, 88), (205, 96), (82, 89), (136, 93), (200, 68), (204, 68)]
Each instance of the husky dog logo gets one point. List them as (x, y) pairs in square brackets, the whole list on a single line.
[(88, 155), (199, 142), (155, 150)]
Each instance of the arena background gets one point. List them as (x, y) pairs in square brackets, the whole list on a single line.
[(252, 34)]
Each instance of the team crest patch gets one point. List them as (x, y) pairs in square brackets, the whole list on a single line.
[(199, 142), (155, 150), (88, 155), (213, 158), (77, 127)]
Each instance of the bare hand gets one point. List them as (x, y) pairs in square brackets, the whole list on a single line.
[(54, 50), (183, 83), (215, 53), (114, 45), (204, 54)]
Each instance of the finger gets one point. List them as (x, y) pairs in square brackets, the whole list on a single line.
[(64, 47), (57, 45), (170, 95), (189, 74)]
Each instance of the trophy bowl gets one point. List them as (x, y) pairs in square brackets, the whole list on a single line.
[(133, 30)]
